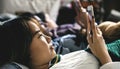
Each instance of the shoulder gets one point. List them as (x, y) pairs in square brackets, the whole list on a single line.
[(13, 65)]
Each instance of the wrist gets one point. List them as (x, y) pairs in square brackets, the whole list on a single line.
[(105, 58)]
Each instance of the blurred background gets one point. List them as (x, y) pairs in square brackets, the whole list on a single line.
[(60, 11)]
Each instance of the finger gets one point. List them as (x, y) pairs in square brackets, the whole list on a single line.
[(79, 22), (99, 31), (80, 5), (89, 38), (88, 27), (74, 6), (94, 30)]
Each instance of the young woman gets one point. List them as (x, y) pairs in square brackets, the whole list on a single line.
[(23, 43), (20, 37)]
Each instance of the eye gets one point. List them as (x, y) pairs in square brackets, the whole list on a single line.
[(47, 38)]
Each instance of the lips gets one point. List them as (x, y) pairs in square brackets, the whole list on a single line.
[(51, 47)]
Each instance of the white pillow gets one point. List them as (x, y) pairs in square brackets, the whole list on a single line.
[(34, 6)]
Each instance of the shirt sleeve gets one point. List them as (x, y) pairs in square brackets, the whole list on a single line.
[(111, 65)]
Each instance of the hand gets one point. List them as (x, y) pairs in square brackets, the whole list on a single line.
[(97, 43), (82, 15)]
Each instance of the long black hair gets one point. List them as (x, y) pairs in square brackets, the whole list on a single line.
[(15, 39)]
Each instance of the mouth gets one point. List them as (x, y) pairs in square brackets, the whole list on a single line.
[(52, 47), (51, 44)]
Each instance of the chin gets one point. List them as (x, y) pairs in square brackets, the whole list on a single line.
[(53, 54)]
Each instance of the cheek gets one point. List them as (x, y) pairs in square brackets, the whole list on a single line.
[(40, 53), (40, 47)]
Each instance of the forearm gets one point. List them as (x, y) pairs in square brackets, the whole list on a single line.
[(104, 58)]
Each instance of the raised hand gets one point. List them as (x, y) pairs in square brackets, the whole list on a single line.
[(82, 15), (96, 42)]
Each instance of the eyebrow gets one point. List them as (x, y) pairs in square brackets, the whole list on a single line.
[(36, 33)]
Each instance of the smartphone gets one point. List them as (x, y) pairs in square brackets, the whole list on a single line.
[(91, 16), (90, 11)]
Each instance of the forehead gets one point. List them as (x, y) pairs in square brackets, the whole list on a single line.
[(33, 26)]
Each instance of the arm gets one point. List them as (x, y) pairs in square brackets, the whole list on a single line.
[(80, 13), (97, 43)]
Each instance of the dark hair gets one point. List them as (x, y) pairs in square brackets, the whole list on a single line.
[(66, 15), (15, 39), (41, 15)]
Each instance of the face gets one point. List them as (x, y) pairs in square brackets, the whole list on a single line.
[(41, 49)]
